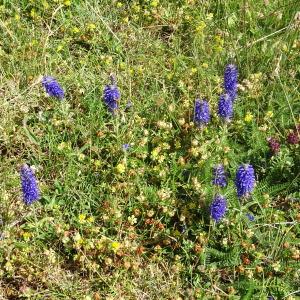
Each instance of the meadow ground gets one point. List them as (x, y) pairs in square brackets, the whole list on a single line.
[(125, 208)]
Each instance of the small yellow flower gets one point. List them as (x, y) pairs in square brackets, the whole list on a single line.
[(81, 218), (45, 4), (205, 65), (119, 4), (115, 246), (81, 156), (219, 42), (225, 162), (108, 60), (59, 48), (75, 29), (120, 168), (170, 76), (122, 66), (269, 114), (200, 26), (285, 48), (91, 26), (177, 145), (90, 219), (155, 152), (97, 163), (61, 146), (126, 20), (136, 8), (33, 13), (17, 17), (276, 266), (154, 3), (209, 16), (132, 220), (248, 117), (27, 235), (77, 237), (193, 70), (67, 2)]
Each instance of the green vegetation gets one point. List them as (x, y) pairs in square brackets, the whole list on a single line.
[(135, 224)]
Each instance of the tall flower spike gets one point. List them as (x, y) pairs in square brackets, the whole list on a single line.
[(230, 80), (220, 176), (245, 180), (218, 208), (111, 95), (274, 145), (29, 185), (52, 87), (294, 136), (225, 107), (201, 112)]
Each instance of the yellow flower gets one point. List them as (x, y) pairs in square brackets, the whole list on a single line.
[(122, 66), (81, 218), (45, 4), (154, 3), (177, 145), (209, 16), (97, 163), (115, 246), (285, 48), (193, 70), (81, 156), (269, 114), (61, 146), (67, 2), (132, 220), (120, 168), (91, 26), (125, 20), (248, 117), (91, 219), (219, 42), (27, 235), (200, 27), (59, 48), (205, 65), (119, 4), (17, 17), (155, 152), (75, 29), (33, 13), (136, 8)]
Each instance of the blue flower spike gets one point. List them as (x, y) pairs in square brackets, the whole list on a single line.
[(29, 185), (218, 208), (201, 113), (245, 180), (111, 95), (52, 87)]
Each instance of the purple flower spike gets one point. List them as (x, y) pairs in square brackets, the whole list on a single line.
[(29, 185), (245, 180), (274, 145), (220, 176), (52, 87), (225, 107), (111, 95), (201, 113), (293, 138), (125, 147), (230, 80), (218, 208), (250, 217)]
